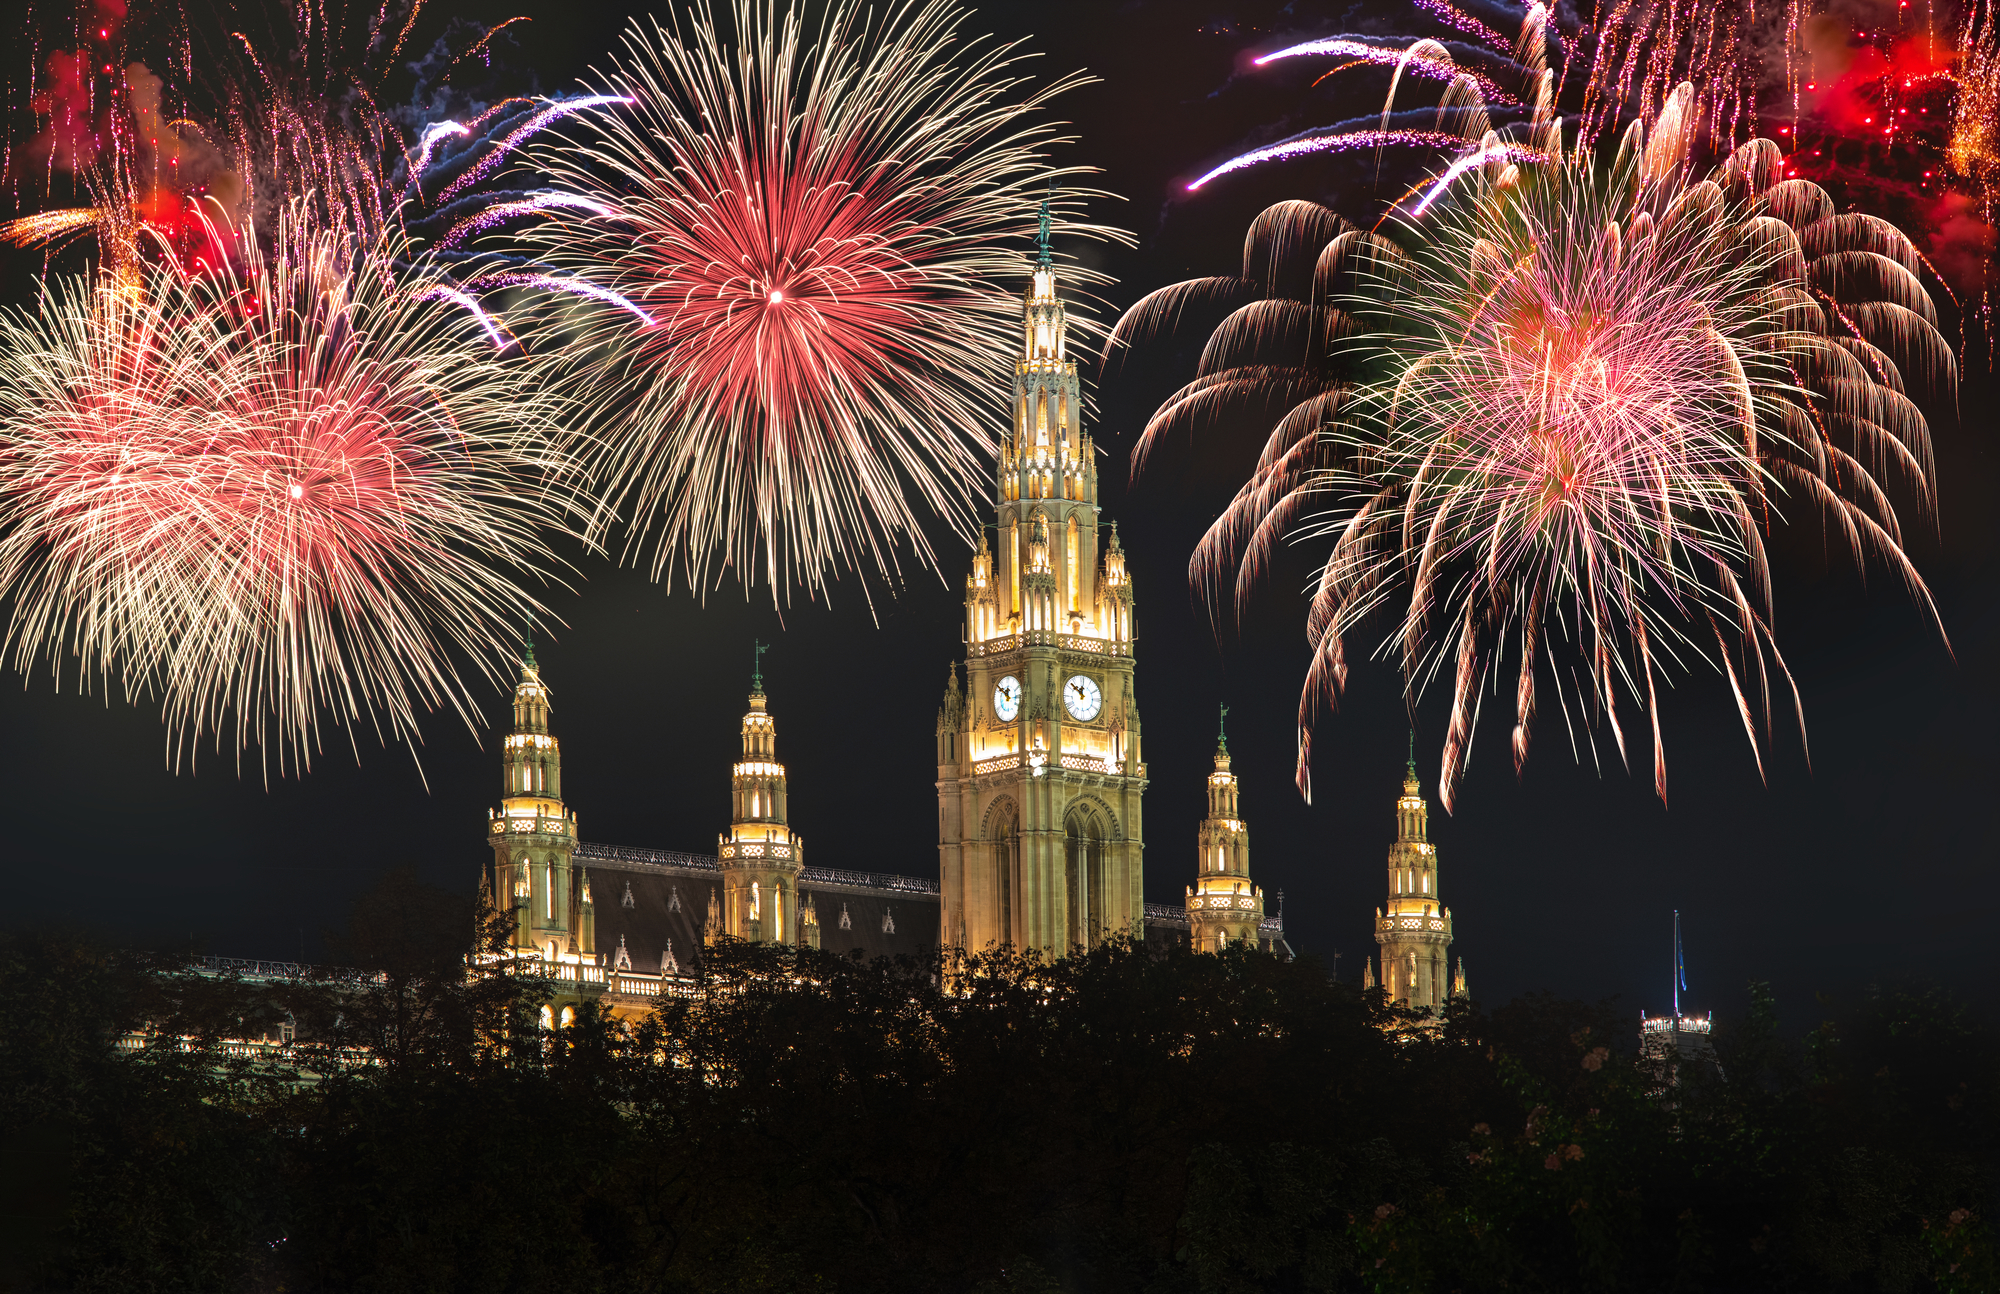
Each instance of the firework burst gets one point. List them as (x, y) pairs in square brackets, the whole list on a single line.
[(270, 496), (1543, 414), (824, 227)]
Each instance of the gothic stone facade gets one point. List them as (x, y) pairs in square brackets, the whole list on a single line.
[(1040, 772)]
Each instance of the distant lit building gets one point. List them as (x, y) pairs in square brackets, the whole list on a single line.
[(1668, 1044)]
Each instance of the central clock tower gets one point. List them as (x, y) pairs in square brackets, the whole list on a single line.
[(1039, 768)]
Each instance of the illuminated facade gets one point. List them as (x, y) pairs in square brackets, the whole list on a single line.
[(534, 837), (1224, 907), (760, 856), (1038, 754), (1039, 774), (1415, 929)]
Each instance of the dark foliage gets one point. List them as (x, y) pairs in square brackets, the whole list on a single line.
[(1113, 1121)]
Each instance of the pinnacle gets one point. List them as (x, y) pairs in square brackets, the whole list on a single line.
[(1043, 257)]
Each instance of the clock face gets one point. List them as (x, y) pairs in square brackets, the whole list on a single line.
[(1081, 697), (1007, 699)]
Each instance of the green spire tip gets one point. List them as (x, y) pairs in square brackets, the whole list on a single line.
[(1043, 257)]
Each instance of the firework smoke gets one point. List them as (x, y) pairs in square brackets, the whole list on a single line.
[(827, 228)]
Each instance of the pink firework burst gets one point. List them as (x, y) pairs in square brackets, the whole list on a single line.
[(1543, 416), (273, 498), (824, 228)]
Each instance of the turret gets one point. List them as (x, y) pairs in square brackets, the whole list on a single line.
[(1117, 585), (1224, 907), (761, 858), (808, 922), (950, 722), (533, 835), (1415, 930)]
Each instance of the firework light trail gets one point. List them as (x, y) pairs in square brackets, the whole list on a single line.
[(1335, 141), (499, 152), (497, 213), (270, 498), (1425, 58), (1541, 416), (828, 226)]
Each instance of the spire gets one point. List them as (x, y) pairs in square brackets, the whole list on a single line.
[(1043, 257), (1222, 727), (757, 666), (528, 648), (1680, 966), (1410, 783)]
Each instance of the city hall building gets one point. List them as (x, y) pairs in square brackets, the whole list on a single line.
[(1041, 778)]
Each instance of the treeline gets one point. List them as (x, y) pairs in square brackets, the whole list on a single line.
[(1116, 1121)]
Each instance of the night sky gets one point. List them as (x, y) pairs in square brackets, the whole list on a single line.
[(1875, 862)]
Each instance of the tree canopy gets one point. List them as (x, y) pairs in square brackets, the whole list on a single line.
[(1115, 1120)]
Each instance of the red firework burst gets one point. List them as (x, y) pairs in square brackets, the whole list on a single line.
[(268, 498), (822, 234)]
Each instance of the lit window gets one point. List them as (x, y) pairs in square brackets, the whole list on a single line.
[(568, 1016)]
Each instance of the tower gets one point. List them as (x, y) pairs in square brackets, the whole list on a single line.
[(1223, 906), (1666, 1042), (1039, 769), (1416, 930), (761, 858), (533, 835)]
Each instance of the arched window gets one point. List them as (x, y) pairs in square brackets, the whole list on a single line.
[(1083, 877), (1006, 840), (568, 1016), (548, 1018)]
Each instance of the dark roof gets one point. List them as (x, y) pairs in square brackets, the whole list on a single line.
[(887, 914)]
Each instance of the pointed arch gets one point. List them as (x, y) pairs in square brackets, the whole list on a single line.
[(1002, 827), (1086, 830)]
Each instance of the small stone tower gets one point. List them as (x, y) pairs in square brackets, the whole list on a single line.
[(761, 858), (1223, 906), (533, 835), (1415, 930)]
